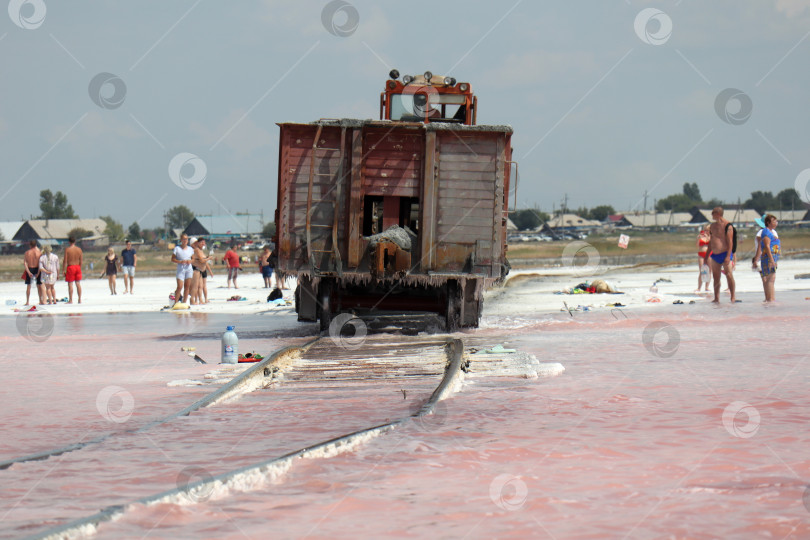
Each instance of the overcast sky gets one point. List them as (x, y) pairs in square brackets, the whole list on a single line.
[(608, 99)]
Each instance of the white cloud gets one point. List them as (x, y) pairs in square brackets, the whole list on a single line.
[(96, 130), (791, 8), (304, 19), (629, 181), (699, 102), (539, 66), (243, 137)]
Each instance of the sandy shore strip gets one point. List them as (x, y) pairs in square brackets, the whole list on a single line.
[(543, 285), (151, 294)]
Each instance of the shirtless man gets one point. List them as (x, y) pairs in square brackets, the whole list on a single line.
[(32, 271), (721, 256), (72, 268)]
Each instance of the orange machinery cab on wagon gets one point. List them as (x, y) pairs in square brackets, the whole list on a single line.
[(402, 214)]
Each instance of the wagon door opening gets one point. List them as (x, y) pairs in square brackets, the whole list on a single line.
[(380, 213)]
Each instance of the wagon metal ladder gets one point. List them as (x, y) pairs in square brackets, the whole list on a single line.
[(336, 192)]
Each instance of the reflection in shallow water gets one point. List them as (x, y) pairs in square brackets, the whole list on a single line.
[(647, 434)]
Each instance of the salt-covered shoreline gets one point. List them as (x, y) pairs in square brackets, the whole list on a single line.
[(540, 289)]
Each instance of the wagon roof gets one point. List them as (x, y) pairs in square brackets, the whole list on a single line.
[(436, 126)]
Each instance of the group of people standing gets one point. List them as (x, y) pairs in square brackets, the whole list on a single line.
[(267, 264), (127, 264), (42, 268), (194, 267), (193, 270), (716, 245)]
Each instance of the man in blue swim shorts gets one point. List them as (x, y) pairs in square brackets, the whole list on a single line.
[(720, 258), (722, 238)]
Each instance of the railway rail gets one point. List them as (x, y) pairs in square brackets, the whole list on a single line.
[(244, 382), (319, 362)]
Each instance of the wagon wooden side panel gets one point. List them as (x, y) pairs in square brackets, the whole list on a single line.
[(469, 201), (392, 164), (312, 196)]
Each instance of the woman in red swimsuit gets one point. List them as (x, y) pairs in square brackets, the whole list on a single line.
[(703, 246)]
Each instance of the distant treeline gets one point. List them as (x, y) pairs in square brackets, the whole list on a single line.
[(787, 199), (56, 206)]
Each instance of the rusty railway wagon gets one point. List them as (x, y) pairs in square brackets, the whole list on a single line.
[(407, 213)]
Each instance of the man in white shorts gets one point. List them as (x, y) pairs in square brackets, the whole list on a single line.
[(181, 255), (129, 260)]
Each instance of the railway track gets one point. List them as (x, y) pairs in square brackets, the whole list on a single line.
[(320, 363), (248, 380)]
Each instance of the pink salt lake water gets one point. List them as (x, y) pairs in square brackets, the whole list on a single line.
[(629, 442)]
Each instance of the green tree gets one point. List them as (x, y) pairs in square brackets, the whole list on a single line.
[(178, 217), (55, 206), (692, 191), (677, 202), (153, 235), (134, 231), (601, 212), (113, 230), (581, 212), (78, 233), (711, 203), (761, 201), (528, 218), (789, 199), (269, 229)]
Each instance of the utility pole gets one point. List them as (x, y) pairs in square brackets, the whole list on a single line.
[(644, 214)]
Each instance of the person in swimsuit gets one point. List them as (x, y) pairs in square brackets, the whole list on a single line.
[(72, 268), (202, 268), (49, 269), (720, 255), (181, 256), (111, 269), (266, 266), (703, 247), (205, 274), (196, 268), (31, 273), (771, 249)]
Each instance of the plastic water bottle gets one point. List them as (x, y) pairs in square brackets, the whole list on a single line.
[(10, 302), (705, 276), (230, 347)]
